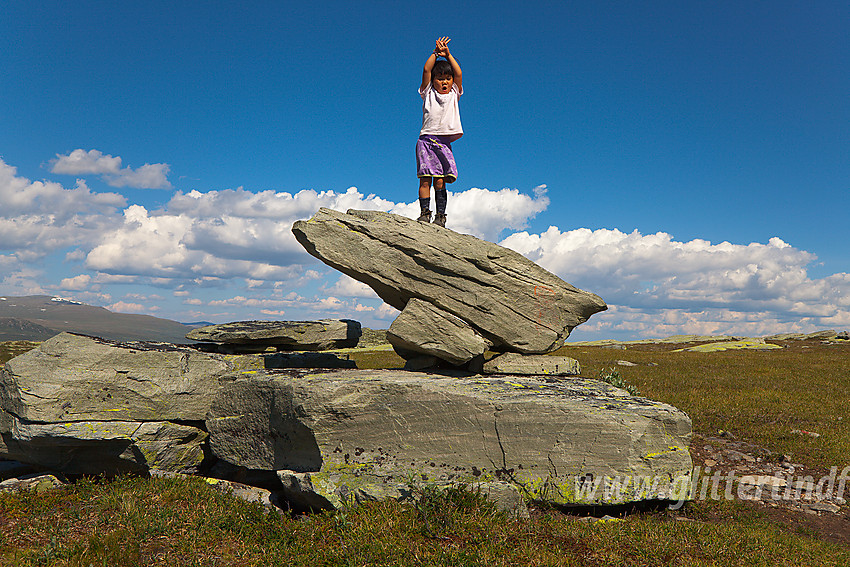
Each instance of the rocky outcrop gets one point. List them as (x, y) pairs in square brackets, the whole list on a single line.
[(746, 344), (362, 435), (825, 335), (257, 336), (506, 298), (32, 482), (83, 405), (77, 405), (298, 488), (78, 378)]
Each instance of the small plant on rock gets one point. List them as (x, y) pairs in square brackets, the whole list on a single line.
[(612, 376)]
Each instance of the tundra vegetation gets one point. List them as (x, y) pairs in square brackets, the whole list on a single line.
[(765, 398)]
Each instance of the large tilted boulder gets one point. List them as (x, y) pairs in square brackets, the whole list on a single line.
[(508, 299), (85, 405), (367, 434), (283, 335)]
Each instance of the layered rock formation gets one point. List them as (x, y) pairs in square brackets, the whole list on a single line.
[(77, 404), (83, 405), (257, 336), (424, 329), (508, 300)]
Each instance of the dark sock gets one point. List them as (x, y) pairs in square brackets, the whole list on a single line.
[(424, 203), (441, 197)]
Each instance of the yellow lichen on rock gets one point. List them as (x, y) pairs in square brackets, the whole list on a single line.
[(752, 344)]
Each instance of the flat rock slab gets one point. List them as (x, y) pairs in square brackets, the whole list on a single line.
[(532, 364), (83, 405), (96, 447), (35, 482), (285, 335), (505, 296), (364, 434), (78, 378)]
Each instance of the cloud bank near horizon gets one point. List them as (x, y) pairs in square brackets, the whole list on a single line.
[(661, 286), (230, 253)]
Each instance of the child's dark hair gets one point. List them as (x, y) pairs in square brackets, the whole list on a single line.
[(442, 67)]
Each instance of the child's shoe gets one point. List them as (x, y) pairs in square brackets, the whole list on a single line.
[(440, 219), (425, 216)]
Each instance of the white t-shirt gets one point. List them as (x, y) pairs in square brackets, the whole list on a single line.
[(440, 112)]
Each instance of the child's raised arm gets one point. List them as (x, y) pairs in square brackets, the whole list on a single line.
[(441, 49), (426, 71), (444, 51)]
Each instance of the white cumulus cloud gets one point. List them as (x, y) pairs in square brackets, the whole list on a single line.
[(486, 213), (129, 307), (40, 217), (696, 287), (77, 283), (94, 162), (349, 287)]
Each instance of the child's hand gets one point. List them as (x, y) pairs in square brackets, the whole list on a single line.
[(442, 48)]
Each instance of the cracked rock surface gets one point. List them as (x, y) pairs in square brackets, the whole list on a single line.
[(367, 434)]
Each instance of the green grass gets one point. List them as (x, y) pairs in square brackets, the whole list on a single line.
[(134, 521), (11, 349), (758, 396), (383, 358)]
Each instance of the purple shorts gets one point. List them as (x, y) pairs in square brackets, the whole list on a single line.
[(434, 157)]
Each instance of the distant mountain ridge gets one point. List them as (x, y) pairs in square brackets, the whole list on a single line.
[(38, 317), (12, 329)]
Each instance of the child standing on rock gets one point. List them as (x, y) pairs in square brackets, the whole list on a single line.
[(440, 89)]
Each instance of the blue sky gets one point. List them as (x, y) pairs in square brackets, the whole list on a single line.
[(687, 161)]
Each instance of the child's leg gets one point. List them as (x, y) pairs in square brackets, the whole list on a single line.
[(440, 195), (425, 187), (425, 199)]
